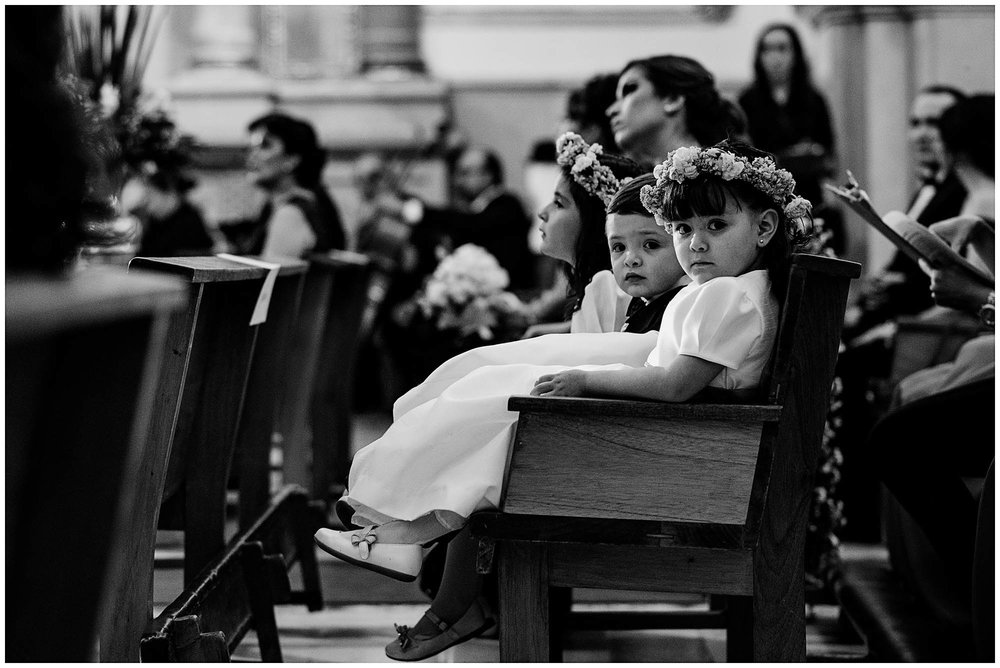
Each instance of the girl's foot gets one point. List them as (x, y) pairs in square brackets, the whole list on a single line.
[(432, 635), (362, 547)]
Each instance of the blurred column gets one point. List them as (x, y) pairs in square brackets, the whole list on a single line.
[(389, 40), (870, 91), (224, 37), (222, 88)]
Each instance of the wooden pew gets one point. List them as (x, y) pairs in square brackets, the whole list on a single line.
[(83, 359), (700, 497), (207, 360), (315, 418)]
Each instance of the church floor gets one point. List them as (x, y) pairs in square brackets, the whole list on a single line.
[(360, 608)]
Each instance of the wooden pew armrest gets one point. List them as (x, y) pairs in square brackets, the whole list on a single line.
[(644, 409)]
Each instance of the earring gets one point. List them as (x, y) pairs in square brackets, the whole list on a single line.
[(761, 241)]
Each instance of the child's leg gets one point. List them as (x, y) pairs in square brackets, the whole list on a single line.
[(460, 583)]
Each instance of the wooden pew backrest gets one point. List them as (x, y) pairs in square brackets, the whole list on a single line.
[(83, 358)]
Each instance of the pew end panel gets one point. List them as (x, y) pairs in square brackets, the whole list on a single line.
[(84, 355), (208, 353), (709, 498), (332, 394)]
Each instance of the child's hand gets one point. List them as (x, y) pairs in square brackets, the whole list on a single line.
[(570, 383)]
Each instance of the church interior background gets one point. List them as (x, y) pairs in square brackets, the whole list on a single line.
[(384, 77)]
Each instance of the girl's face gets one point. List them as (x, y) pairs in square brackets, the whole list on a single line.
[(728, 244), (777, 56), (560, 226), (642, 257), (267, 162), (637, 112)]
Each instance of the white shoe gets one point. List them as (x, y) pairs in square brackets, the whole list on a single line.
[(361, 547)]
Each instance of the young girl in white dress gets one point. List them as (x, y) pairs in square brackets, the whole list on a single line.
[(733, 220)]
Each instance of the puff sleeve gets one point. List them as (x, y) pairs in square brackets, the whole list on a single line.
[(721, 322)]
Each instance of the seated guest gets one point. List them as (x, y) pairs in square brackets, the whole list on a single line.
[(299, 217), (485, 214), (901, 289), (171, 225), (916, 447)]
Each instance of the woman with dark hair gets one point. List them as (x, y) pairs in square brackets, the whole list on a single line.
[(585, 110), (786, 115), (665, 102), (286, 160)]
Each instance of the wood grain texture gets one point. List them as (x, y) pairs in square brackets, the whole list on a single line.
[(525, 613), (548, 528), (646, 568), (332, 401), (657, 410), (130, 595), (294, 424), (598, 466), (207, 455), (80, 391), (212, 269), (252, 455)]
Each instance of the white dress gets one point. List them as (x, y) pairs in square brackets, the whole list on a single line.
[(444, 454), (604, 306)]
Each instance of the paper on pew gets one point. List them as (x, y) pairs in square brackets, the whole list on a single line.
[(264, 298), (923, 243)]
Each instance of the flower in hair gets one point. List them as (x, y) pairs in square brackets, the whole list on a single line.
[(585, 167), (798, 207), (689, 162)]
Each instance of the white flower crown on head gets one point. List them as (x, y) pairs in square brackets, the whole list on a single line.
[(689, 162), (585, 167)]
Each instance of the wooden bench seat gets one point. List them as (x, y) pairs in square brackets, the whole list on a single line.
[(709, 498)]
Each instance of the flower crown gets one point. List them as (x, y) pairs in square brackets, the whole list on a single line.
[(687, 163), (585, 167)]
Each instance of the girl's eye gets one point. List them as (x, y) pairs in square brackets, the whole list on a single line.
[(617, 248), (717, 225), (680, 229), (651, 245), (628, 88), (557, 204)]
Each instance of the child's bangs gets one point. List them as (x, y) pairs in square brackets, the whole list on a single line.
[(700, 197)]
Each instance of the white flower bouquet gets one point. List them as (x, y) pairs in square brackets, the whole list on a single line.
[(467, 294)]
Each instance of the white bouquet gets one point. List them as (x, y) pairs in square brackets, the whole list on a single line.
[(467, 293)]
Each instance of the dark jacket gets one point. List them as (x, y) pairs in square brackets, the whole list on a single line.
[(501, 228)]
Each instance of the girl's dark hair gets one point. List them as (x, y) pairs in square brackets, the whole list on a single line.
[(968, 128), (591, 252), (800, 82), (299, 138), (626, 200), (709, 118), (708, 196)]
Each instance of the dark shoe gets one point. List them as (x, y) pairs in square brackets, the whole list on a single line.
[(411, 647)]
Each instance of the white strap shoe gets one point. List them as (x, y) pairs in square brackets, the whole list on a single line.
[(361, 547)]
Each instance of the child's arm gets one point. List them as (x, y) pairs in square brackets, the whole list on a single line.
[(678, 381)]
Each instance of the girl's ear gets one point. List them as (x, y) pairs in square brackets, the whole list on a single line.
[(767, 225), (673, 104)]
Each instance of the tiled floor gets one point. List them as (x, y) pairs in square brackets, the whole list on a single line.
[(361, 607)]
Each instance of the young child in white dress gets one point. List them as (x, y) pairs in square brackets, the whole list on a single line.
[(733, 221)]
